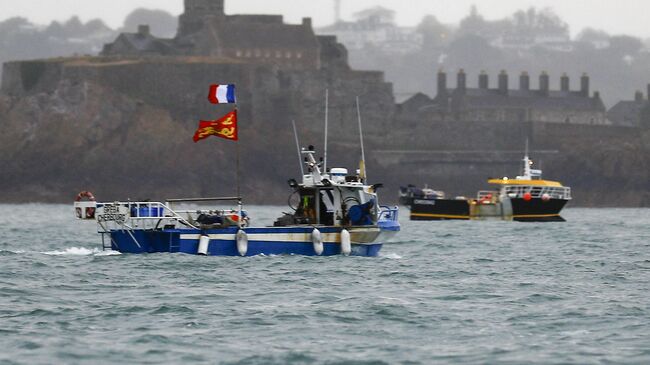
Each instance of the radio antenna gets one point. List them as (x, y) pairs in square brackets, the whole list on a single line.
[(295, 133), (327, 99)]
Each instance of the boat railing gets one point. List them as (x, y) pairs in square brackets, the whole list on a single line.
[(387, 213), (142, 215), (551, 192), (151, 214), (487, 196)]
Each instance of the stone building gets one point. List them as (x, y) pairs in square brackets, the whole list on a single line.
[(205, 30), (627, 113), (503, 104)]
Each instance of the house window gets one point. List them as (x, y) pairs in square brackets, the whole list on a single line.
[(239, 53), (288, 55), (299, 55)]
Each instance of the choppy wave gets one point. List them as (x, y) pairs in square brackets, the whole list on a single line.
[(516, 293), (391, 255)]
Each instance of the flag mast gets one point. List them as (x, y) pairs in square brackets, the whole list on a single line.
[(239, 200), (227, 128)]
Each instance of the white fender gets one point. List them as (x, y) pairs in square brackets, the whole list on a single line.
[(317, 240), (346, 243), (204, 243), (242, 242)]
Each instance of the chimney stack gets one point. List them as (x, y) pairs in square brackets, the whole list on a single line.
[(503, 82), (306, 22), (564, 83), (638, 96), (483, 80), (584, 85), (461, 82), (544, 83), (524, 81), (442, 82)]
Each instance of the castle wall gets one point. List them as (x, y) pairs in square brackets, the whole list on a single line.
[(459, 156), (281, 57), (267, 95)]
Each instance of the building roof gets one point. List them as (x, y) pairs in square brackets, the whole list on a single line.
[(416, 102), (377, 11), (627, 113), (144, 43)]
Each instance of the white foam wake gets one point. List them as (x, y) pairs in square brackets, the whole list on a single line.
[(80, 251), (108, 253)]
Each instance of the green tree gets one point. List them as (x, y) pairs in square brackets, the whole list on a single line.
[(162, 23), (434, 33)]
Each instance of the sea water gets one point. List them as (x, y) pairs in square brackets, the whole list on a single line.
[(441, 293)]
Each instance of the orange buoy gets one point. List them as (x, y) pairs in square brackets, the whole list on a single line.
[(528, 197)]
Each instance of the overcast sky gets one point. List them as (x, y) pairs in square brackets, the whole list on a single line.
[(613, 16)]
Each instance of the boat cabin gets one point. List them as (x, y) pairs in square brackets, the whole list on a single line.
[(333, 199), (530, 185)]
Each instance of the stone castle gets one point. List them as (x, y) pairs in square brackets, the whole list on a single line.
[(280, 69), (205, 30)]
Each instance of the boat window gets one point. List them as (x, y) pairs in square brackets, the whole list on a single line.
[(328, 199), (309, 213), (327, 207)]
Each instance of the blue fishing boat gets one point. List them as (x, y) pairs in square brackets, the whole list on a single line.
[(333, 213)]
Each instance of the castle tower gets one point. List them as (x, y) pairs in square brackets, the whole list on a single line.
[(196, 11), (206, 7)]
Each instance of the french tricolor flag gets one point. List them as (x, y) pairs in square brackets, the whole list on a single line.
[(222, 94)]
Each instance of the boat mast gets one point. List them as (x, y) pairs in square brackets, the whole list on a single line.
[(362, 169), (527, 173), (327, 98), (239, 200)]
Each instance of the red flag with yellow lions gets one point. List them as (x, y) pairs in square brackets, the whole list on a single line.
[(225, 127)]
